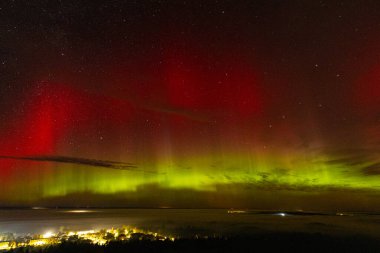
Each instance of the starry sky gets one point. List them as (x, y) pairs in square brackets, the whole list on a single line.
[(221, 104)]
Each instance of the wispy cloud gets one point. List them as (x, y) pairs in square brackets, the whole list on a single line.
[(372, 170), (79, 161), (362, 160)]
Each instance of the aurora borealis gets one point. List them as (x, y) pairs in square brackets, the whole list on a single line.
[(246, 104)]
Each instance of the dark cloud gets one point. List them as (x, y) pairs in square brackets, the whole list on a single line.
[(78, 161), (372, 170), (351, 161), (362, 160)]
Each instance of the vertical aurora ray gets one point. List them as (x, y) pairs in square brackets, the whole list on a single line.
[(223, 104), (232, 147)]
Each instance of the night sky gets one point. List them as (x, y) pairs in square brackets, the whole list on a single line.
[(233, 104)]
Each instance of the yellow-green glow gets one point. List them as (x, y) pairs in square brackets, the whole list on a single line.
[(202, 173)]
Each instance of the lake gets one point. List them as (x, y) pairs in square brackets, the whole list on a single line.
[(188, 222)]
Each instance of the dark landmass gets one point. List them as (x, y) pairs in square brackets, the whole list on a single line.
[(275, 242)]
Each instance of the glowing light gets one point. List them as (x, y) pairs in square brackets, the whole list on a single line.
[(80, 211), (4, 245), (48, 234), (38, 242), (85, 232), (93, 236), (38, 208), (236, 211)]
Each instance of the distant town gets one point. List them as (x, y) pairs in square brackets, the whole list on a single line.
[(10, 241)]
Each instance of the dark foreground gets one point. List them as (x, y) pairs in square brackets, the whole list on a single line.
[(279, 242)]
